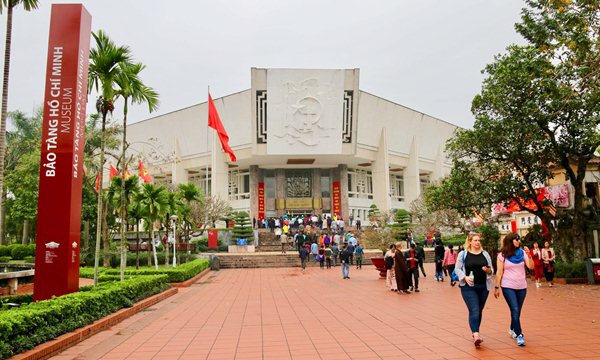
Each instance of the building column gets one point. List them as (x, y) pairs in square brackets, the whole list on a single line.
[(381, 175), (179, 174), (438, 170), (219, 172), (343, 178), (316, 191), (412, 179), (279, 191)]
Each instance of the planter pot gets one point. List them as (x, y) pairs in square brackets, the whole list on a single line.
[(379, 264), (570, 280)]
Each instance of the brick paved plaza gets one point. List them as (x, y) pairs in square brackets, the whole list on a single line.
[(280, 313)]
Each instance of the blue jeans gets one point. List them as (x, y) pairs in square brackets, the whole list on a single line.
[(345, 270), (515, 298), (475, 297)]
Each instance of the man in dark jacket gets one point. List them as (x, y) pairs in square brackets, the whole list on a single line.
[(412, 263), (344, 258), (421, 252), (400, 270)]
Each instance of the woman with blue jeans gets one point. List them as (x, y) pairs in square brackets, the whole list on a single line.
[(512, 279), (475, 275)]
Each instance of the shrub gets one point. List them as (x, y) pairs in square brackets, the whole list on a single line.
[(4, 250), (575, 269), (30, 259), (177, 274), (5, 259), (15, 299), (31, 249), (19, 252), (25, 327)]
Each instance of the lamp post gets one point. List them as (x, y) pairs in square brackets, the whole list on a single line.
[(174, 224)]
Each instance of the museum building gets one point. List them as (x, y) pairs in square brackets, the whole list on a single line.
[(306, 141)]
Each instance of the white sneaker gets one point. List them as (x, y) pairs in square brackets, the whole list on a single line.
[(512, 334), (538, 285)]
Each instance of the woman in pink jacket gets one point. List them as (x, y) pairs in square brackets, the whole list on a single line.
[(450, 261)]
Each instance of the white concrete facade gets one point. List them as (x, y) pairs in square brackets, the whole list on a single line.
[(319, 128)]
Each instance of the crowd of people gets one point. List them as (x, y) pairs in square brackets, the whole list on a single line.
[(295, 222)]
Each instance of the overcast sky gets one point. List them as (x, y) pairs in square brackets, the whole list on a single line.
[(423, 54)]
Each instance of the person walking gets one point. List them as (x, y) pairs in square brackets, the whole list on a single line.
[(421, 252), (344, 260), (303, 256), (449, 261), (328, 256), (439, 258), (548, 257), (335, 251), (475, 276), (538, 264), (358, 252), (511, 277), (412, 263), (390, 278), (400, 270)]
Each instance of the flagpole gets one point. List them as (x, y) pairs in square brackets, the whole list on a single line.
[(207, 147)]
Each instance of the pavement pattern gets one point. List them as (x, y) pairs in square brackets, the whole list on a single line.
[(283, 313)]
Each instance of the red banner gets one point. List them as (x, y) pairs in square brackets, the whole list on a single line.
[(213, 239), (61, 164), (261, 200), (337, 198)]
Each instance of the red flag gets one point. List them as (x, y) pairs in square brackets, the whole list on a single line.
[(113, 172), (144, 173), (98, 182), (215, 122)]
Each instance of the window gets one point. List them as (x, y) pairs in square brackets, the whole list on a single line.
[(397, 187), (270, 184), (360, 184), (200, 181), (239, 184), (424, 183)]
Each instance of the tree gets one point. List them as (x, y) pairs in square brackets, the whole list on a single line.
[(243, 228), (155, 201), (208, 212), (9, 5), (122, 194), (375, 215), (539, 106), (402, 218), (190, 193), (103, 71), (131, 87)]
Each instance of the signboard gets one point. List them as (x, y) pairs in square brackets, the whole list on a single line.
[(336, 198), (213, 239), (526, 221), (504, 227), (61, 164), (261, 200), (299, 203)]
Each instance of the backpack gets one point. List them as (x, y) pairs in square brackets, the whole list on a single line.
[(389, 262)]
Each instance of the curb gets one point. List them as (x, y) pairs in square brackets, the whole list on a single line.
[(189, 282), (65, 341)]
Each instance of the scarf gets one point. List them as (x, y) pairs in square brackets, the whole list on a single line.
[(518, 257)]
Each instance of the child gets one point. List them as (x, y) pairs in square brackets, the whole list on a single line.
[(328, 256)]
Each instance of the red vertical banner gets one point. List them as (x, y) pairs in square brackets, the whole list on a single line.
[(261, 200), (61, 163), (337, 198), (513, 226), (213, 239)]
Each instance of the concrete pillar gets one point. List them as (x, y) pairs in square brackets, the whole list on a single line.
[(280, 190), (343, 178), (316, 190), (412, 180), (179, 173), (381, 175), (219, 171), (438, 170)]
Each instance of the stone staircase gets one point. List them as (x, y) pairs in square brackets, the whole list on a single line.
[(272, 259), (268, 242)]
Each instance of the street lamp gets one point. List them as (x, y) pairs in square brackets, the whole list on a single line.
[(174, 225)]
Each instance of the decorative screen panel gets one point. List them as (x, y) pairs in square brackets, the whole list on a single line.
[(347, 118), (261, 116)]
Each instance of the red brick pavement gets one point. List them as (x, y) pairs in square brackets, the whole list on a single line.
[(282, 313)]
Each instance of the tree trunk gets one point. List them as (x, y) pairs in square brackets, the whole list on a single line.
[(25, 238), (105, 238), (3, 113), (86, 235), (123, 199), (100, 207), (137, 248)]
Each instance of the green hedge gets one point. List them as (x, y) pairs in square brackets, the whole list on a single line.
[(575, 269), (178, 274), (25, 327), (5, 259), (15, 299)]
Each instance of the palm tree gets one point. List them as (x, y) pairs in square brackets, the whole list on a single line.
[(136, 212), (189, 193), (155, 202), (121, 197), (103, 70), (131, 87), (28, 5)]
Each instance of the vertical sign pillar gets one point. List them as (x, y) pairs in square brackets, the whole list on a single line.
[(213, 239), (261, 201), (337, 198), (61, 164)]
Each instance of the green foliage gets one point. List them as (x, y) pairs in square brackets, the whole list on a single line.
[(29, 259), (25, 327), (377, 239), (576, 269), (20, 252), (402, 218), (5, 259), (490, 237), (243, 227), (5, 250), (15, 299), (178, 274)]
